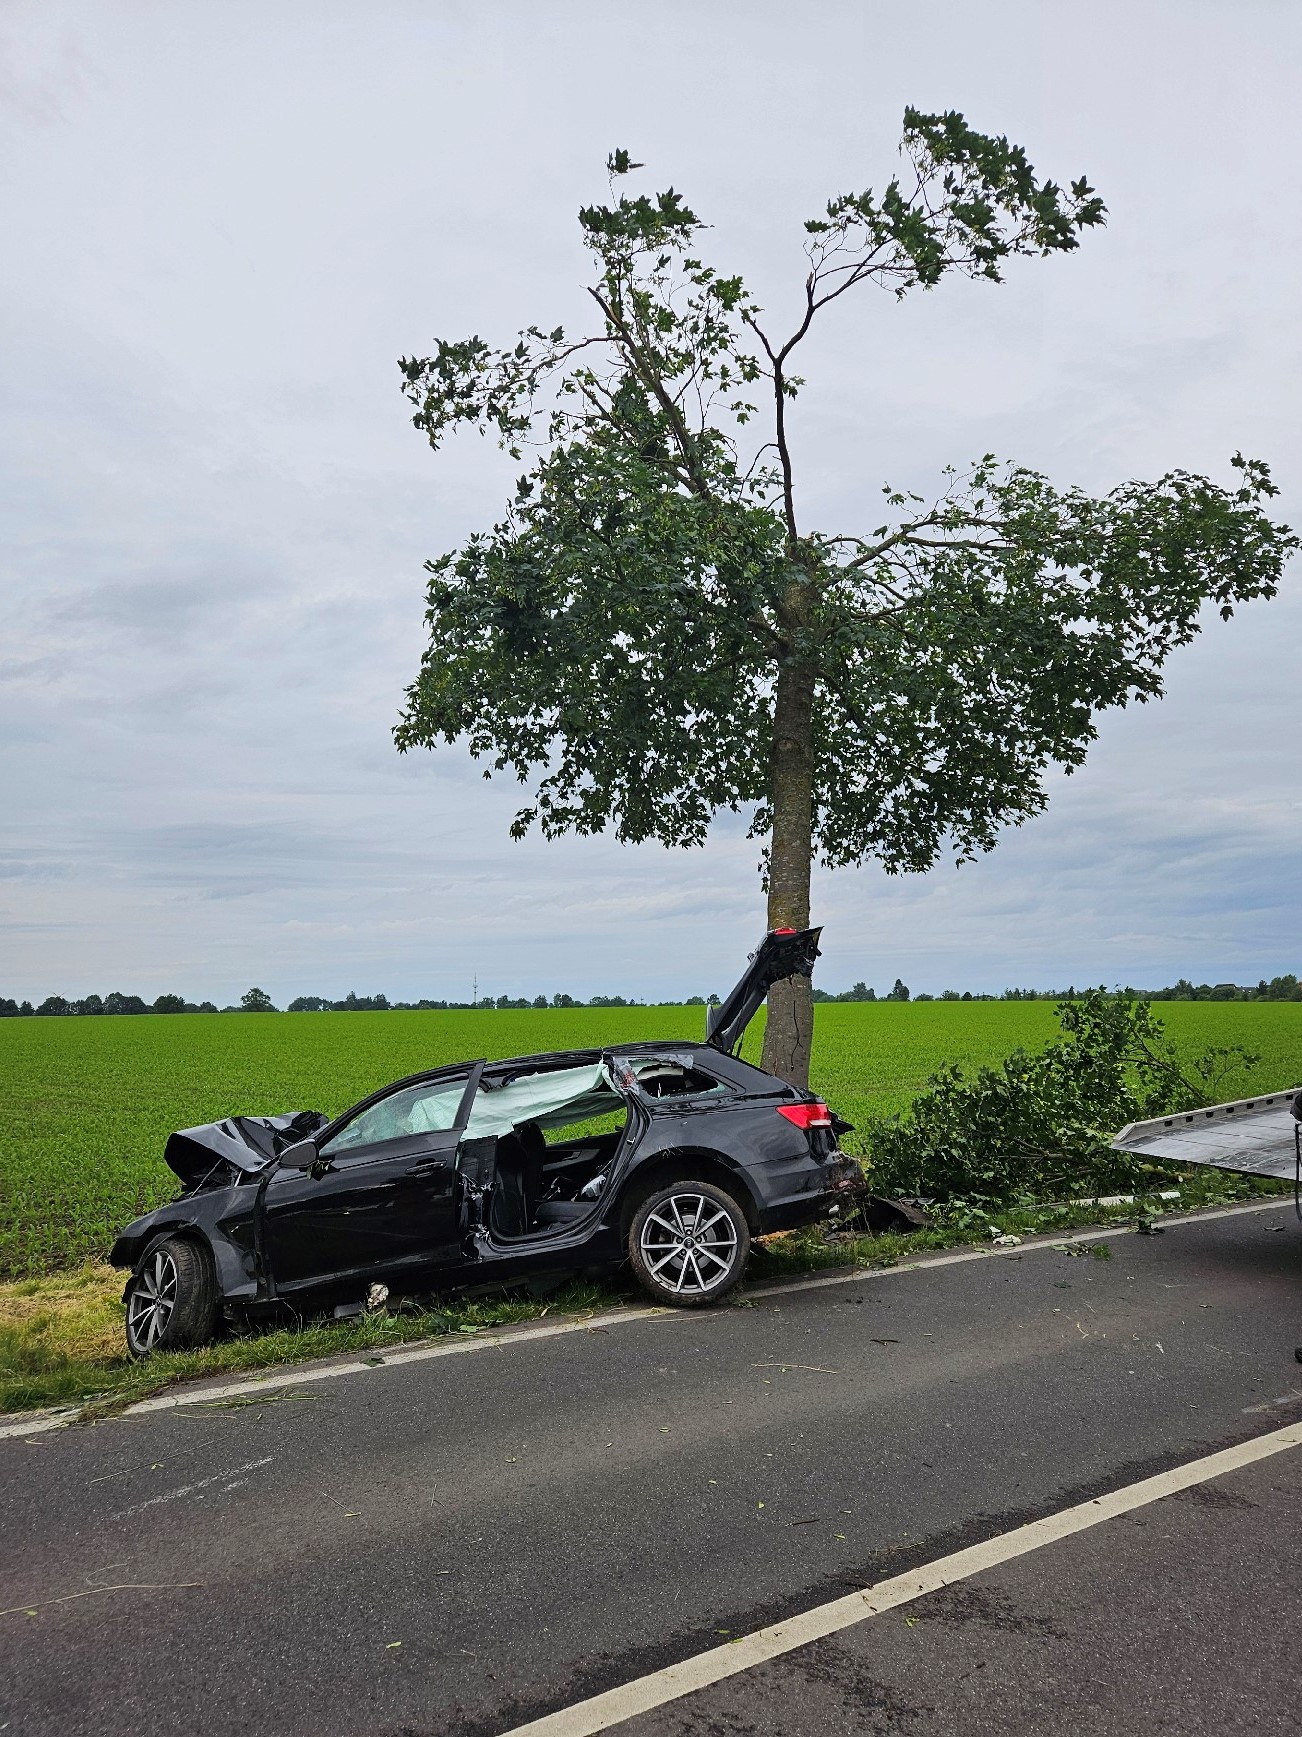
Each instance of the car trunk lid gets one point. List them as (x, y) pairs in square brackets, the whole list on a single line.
[(782, 953)]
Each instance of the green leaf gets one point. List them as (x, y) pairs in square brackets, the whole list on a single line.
[(614, 642)]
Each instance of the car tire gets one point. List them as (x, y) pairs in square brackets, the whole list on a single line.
[(688, 1244), (172, 1299)]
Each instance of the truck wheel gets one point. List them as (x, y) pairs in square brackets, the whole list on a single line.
[(172, 1300), (688, 1244)]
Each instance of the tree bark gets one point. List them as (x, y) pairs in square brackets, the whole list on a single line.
[(789, 1033)]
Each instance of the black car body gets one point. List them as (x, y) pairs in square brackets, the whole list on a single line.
[(445, 1181)]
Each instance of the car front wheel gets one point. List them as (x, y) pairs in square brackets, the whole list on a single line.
[(172, 1300), (688, 1244)]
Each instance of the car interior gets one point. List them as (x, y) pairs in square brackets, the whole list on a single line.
[(542, 1185)]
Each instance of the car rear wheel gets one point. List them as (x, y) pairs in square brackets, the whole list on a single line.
[(172, 1300), (688, 1244)]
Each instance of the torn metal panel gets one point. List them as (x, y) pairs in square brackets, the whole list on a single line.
[(246, 1143)]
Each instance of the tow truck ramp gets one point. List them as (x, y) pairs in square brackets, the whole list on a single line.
[(1256, 1136)]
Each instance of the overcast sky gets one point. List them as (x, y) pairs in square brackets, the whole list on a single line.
[(223, 222)]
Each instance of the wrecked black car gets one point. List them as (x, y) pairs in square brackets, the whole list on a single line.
[(670, 1156)]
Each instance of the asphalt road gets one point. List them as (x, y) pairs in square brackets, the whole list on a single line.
[(1178, 1619), (459, 1545)]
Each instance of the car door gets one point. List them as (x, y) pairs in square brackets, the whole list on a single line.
[(384, 1210)]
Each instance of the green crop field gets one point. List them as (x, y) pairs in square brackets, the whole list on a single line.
[(86, 1103)]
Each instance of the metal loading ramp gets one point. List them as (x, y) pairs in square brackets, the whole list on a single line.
[(1252, 1135)]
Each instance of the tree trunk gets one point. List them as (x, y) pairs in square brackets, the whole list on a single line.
[(789, 1033)]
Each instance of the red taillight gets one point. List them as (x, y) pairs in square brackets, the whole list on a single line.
[(784, 931), (813, 1115)]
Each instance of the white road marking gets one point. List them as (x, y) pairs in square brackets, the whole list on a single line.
[(297, 1374), (451, 1347), (37, 1421), (1048, 1241), (189, 1489), (601, 1712)]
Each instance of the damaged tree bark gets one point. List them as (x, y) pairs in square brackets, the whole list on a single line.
[(789, 1030)]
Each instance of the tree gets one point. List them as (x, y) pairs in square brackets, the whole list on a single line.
[(355, 1003), (653, 632), (170, 1004), (256, 1001), (900, 992)]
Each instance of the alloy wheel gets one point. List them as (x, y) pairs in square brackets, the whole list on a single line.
[(153, 1298), (689, 1244)]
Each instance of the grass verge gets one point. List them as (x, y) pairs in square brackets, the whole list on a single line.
[(62, 1343), (61, 1339)]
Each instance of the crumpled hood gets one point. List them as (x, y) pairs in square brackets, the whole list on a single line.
[(246, 1143)]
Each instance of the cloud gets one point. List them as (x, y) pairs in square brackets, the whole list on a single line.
[(214, 512)]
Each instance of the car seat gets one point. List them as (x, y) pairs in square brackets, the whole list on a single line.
[(518, 1206), (546, 1214)]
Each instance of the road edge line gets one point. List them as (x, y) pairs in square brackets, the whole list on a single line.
[(42, 1422), (644, 1694), (391, 1359), (1034, 1244), (297, 1375)]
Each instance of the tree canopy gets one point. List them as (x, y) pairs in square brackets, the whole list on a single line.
[(652, 633)]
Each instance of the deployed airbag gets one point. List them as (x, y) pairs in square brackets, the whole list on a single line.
[(552, 1100)]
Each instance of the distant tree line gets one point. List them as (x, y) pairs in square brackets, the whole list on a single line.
[(861, 992), (352, 1003), (116, 1003), (1282, 988), (258, 1001)]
